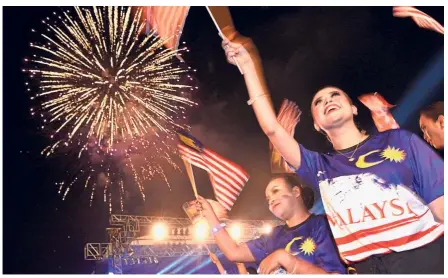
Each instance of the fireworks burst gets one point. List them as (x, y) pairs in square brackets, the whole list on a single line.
[(107, 90)]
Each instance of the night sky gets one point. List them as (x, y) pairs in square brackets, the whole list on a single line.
[(360, 50)]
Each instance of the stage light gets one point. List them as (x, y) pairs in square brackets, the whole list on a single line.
[(159, 231), (156, 261), (267, 229), (201, 230), (235, 231)]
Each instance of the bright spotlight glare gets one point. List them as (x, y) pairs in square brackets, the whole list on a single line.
[(267, 229), (159, 231), (201, 230), (235, 232)]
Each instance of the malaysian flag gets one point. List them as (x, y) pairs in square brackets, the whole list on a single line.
[(168, 22), (423, 20), (379, 107), (227, 178), (288, 117)]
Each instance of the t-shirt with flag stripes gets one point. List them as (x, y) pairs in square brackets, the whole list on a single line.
[(378, 202)]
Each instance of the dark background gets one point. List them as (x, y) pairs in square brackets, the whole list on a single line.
[(359, 49)]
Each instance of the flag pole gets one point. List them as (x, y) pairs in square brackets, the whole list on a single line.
[(222, 35), (191, 177), (193, 185), (208, 250)]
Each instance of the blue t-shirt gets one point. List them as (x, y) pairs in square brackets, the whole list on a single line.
[(377, 202), (311, 241)]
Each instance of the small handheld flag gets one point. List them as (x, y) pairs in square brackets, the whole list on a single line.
[(379, 108), (420, 18), (168, 22), (227, 178), (288, 117)]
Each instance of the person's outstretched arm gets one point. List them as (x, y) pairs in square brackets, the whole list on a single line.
[(244, 51)]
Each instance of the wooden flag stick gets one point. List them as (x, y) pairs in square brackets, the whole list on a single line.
[(205, 244), (222, 18), (191, 177)]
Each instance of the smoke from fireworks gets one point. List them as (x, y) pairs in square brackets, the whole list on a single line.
[(111, 94)]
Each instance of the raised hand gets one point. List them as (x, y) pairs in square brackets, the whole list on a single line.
[(241, 49), (206, 209)]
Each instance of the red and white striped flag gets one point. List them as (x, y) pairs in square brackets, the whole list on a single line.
[(168, 22), (423, 20), (288, 117), (379, 107), (227, 178)]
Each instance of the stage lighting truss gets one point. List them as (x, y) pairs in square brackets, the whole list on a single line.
[(181, 229), (132, 240), (139, 260)]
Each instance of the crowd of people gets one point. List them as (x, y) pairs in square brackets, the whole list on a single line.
[(383, 193)]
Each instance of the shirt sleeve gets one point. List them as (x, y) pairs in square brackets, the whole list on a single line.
[(427, 167), (307, 170), (260, 247), (327, 255)]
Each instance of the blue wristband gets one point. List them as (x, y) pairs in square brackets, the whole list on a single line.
[(218, 227)]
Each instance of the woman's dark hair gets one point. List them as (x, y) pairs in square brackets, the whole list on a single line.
[(433, 111), (331, 86), (306, 192)]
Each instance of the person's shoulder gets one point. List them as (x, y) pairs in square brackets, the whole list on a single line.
[(275, 232), (319, 224), (395, 133), (319, 220), (278, 228)]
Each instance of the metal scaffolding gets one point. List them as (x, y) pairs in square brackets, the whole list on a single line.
[(97, 251), (131, 230), (102, 251)]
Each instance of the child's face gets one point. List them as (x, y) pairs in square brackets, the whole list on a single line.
[(282, 200)]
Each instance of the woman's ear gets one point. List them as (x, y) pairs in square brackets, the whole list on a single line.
[(296, 191), (355, 110), (440, 120), (316, 127)]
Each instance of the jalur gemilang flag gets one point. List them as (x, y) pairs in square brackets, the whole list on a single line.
[(227, 178), (420, 18), (288, 117), (168, 22)]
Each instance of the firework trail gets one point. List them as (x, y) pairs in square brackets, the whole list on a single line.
[(110, 93)]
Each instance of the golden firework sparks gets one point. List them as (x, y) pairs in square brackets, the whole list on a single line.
[(101, 78)]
